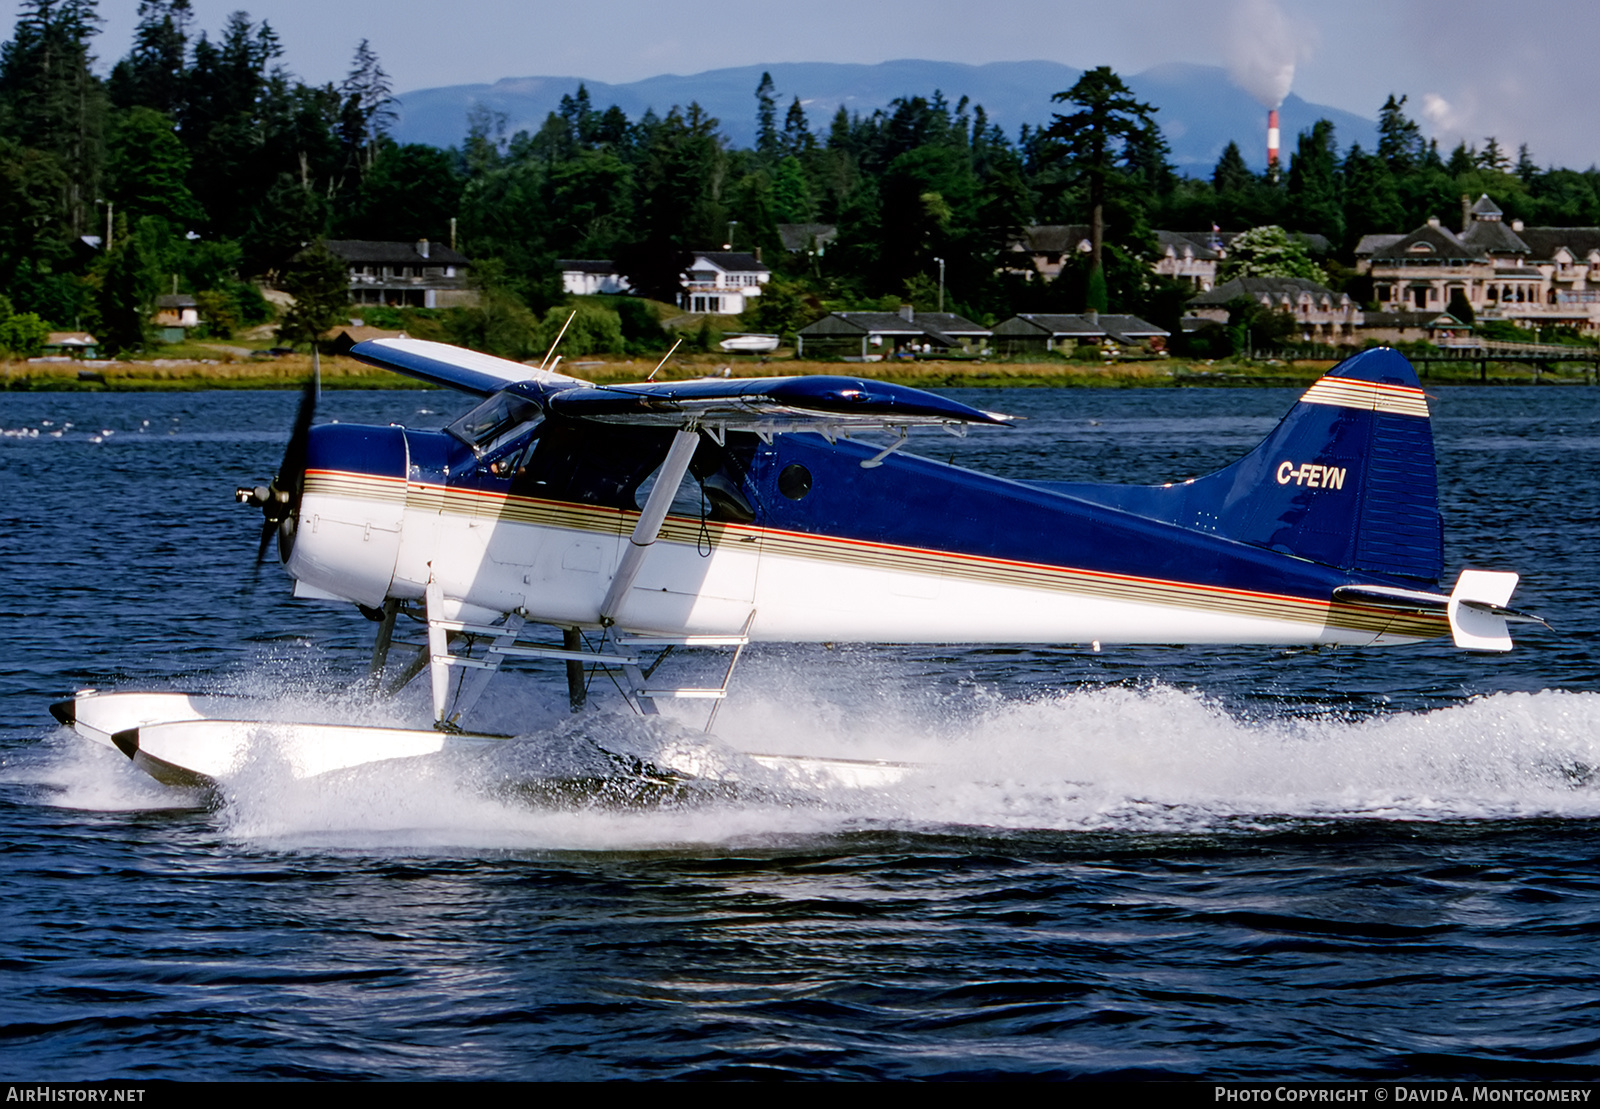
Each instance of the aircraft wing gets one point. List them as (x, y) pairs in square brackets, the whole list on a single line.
[(456, 367), (768, 405)]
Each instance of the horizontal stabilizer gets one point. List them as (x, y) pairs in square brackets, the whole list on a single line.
[(454, 367), (1392, 597), (1477, 610), (767, 405)]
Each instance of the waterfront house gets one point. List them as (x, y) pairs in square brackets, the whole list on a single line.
[(1039, 333), (873, 336), (422, 274), (1320, 315), (1532, 276), (720, 282)]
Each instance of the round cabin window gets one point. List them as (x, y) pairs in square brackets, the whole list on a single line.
[(794, 481)]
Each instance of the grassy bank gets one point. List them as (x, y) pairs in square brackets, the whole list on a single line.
[(288, 371)]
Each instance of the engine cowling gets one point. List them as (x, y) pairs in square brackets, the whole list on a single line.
[(346, 536)]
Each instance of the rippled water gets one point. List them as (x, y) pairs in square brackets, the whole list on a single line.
[(1164, 862)]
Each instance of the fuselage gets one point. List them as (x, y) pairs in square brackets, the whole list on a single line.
[(797, 532)]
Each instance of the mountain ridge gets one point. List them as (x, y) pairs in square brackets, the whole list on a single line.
[(1200, 110)]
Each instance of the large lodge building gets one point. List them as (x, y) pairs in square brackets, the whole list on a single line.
[(1533, 276)]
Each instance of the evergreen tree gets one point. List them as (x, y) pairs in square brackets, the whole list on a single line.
[(153, 75), (1399, 139), (679, 206), (506, 219), (146, 168), (791, 193), (31, 186), (766, 119), (577, 119), (1231, 174), (130, 281), (247, 125), (613, 132), (1526, 171), (797, 137), (320, 286), (52, 100), (928, 197), (1107, 119), (1145, 160), (410, 193), (1371, 200), (1493, 157), (485, 147), (590, 206), (367, 111), (1314, 185)]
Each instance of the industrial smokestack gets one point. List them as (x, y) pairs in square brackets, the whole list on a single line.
[(1262, 49)]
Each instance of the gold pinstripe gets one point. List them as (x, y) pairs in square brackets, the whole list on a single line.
[(688, 531), (1369, 396)]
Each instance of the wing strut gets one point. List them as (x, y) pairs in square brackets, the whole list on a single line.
[(650, 520)]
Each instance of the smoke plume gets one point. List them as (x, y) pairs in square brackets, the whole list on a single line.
[(1262, 50)]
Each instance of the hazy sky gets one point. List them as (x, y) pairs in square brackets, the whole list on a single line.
[(1471, 68)]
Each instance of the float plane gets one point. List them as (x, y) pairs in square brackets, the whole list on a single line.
[(540, 525)]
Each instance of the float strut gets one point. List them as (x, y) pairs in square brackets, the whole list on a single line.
[(572, 640), (380, 648)]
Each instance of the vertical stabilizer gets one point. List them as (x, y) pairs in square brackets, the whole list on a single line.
[(1347, 478)]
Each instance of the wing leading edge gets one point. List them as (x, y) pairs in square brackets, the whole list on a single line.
[(455, 367)]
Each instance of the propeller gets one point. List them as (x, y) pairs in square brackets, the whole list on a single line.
[(280, 501)]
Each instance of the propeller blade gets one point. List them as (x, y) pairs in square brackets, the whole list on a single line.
[(280, 502), (268, 529), (292, 470)]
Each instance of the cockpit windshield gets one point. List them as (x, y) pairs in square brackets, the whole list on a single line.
[(501, 418)]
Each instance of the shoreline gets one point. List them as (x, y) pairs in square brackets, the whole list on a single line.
[(291, 371)]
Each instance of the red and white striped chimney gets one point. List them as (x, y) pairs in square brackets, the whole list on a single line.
[(1272, 142)]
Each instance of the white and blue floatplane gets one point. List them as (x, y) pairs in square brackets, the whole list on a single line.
[(517, 532)]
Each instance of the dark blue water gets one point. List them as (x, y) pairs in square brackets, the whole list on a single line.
[(1164, 862)]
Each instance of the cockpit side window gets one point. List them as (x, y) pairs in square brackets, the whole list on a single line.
[(496, 422), (590, 463)]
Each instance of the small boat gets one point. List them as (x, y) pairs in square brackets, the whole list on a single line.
[(749, 343)]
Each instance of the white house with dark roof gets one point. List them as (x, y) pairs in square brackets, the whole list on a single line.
[(422, 274), (722, 282)]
